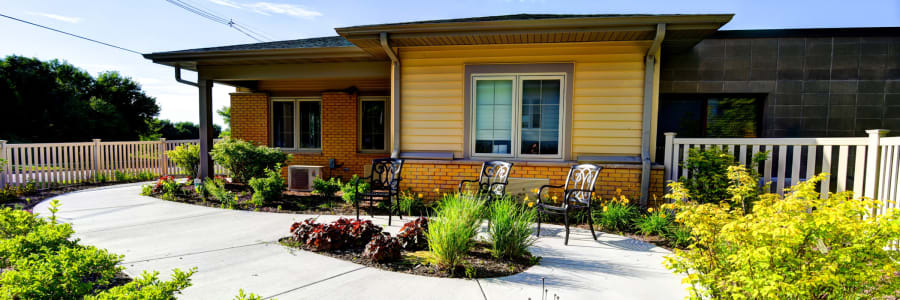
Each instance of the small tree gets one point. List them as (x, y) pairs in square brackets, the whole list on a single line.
[(801, 246), (186, 157), (244, 160)]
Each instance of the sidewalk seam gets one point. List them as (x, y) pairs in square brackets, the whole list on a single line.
[(315, 282)]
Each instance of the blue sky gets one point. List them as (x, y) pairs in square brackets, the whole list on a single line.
[(156, 25)]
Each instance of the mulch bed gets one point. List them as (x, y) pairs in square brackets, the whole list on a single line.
[(290, 202), (479, 260)]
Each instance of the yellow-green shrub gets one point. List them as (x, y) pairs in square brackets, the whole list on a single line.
[(799, 246), (187, 158)]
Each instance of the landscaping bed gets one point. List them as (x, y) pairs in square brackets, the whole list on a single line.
[(479, 261), (445, 246)]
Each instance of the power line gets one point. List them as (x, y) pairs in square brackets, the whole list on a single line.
[(71, 34), (224, 21)]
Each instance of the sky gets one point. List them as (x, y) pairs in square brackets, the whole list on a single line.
[(157, 25)]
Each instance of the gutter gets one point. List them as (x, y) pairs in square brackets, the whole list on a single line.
[(395, 95), (646, 130), (178, 78)]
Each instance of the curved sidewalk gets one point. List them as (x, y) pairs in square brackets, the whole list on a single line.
[(238, 250)]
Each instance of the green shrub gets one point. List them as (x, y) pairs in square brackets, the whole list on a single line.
[(217, 191), (510, 231), (40, 260), (149, 287), (187, 158), (800, 246), (244, 161), (654, 223), (22, 234), (616, 215), (169, 188), (120, 176), (409, 204), (101, 178), (268, 188), (146, 190), (326, 188), (71, 272), (250, 296), (709, 181), (145, 176), (348, 190), (452, 228), (679, 236), (40, 240)]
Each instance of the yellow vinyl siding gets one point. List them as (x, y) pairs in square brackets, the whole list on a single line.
[(606, 104)]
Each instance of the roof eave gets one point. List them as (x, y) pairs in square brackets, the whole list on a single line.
[(188, 59), (714, 19)]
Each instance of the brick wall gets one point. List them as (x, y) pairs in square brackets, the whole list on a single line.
[(422, 176), (339, 138), (250, 117)]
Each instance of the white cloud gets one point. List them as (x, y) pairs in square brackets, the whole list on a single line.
[(267, 8), (66, 19), (228, 3)]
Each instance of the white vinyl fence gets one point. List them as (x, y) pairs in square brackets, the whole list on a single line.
[(55, 164), (868, 166)]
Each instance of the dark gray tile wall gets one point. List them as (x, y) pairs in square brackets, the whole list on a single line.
[(814, 86)]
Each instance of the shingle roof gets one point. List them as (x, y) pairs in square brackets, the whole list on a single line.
[(517, 17), (319, 42)]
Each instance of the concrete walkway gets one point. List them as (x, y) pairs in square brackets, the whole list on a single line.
[(239, 249)]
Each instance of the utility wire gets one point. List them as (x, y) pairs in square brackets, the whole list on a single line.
[(224, 21), (71, 34)]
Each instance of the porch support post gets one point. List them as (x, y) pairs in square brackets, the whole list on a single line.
[(206, 126), (395, 95), (647, 120)]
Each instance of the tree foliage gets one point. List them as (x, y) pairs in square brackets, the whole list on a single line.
[(225, 112), (54, 101), (177, 131)]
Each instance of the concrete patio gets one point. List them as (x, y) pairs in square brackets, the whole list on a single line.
[(238, 250)]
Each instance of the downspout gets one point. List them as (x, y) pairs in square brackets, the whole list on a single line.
[(178, 78), (649, 67), (395, 95)]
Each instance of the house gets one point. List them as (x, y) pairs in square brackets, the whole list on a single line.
[(544, 91)]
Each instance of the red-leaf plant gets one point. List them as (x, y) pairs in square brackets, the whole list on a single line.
[(382, 248), (412, 235)]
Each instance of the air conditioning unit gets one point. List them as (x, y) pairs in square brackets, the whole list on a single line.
[(300, 178)]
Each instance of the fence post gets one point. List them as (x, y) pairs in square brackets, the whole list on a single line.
[(873, 161), (163, 161), (667, 159), (96, 160), (4, 163)]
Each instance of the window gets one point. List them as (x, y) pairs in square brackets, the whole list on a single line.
[(373, 124), (297, 123), (709, 115), (517, 115)]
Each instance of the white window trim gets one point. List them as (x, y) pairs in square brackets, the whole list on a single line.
[(296, 101), (516, 129), (387, 123)]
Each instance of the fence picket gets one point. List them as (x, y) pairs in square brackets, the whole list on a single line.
[(795, 164), (782, 167), (826, 168)]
